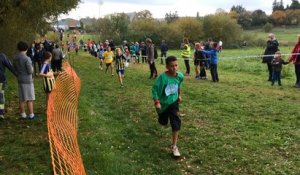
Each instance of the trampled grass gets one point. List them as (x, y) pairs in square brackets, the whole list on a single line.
[(241, 125)]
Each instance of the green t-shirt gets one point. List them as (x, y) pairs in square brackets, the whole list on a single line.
[(165, 89)]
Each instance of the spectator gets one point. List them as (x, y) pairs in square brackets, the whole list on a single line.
[(150, 56), (220, 47), (295, 58), (4, 62), (38, 58), (272, 47), (186, 55), (144, 52), (23, 66), (31, 52), (277, 63), (163, 50), (57, 59)]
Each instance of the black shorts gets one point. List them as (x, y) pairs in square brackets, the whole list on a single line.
[(171, 113)]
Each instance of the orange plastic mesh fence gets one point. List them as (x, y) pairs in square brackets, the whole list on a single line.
[(62, 123)]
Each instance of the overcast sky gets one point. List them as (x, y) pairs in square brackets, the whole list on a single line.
[(158, 8)]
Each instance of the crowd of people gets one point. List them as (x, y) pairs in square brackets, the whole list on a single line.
[(31, 61), (273, 58), (45, 59)]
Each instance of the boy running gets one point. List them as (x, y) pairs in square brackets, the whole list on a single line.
[(120, 65), (108, 56), (166, 96)]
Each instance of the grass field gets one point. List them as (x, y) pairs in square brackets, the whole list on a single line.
[(241, 125), (284, 35)]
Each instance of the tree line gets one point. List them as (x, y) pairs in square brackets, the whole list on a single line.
[(24, 19), (289, 15)]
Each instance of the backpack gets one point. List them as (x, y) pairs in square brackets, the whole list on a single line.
[(155, 53)]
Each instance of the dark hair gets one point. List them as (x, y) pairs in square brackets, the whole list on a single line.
[(22, 46), (170, 59), (215, 45), (185, 40), (48, 55)]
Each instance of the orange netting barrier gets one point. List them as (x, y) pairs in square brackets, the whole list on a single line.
[(62, 123)]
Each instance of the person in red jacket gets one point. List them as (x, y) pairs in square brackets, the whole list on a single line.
[(295, 58)]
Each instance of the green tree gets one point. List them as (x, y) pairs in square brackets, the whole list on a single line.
[(294, 5), (189, 27), (145, 14), (238, 9), (259, 18), (140, 29), (245, 19), (23, 19), (113, 27), (222, 27), (170, 33), (278, 5), (171, 17), (243, 16)]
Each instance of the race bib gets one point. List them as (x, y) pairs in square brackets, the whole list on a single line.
[(171, 89), (109, 56)]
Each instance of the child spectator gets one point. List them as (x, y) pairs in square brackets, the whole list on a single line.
[(137, 51), (48, 75), (133, 52), (144, 52), (108, 56), (120, 61), (23, 67), (199, 61), (186, 55), (213, 62), (166, 96), (277, 67)]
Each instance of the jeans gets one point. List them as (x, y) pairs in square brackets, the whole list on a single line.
[(152, 69), (163, 56), (187, 65), (297, 72), (276, 76), (270, 69), (214, 72)]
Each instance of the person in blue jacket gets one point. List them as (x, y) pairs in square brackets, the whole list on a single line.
[(213, 62)]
